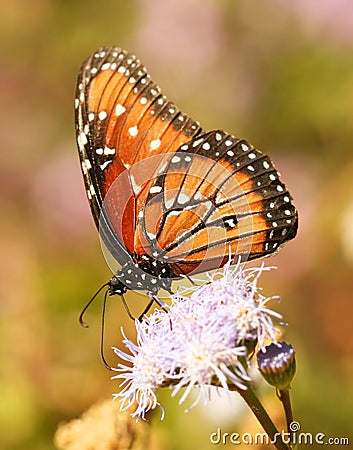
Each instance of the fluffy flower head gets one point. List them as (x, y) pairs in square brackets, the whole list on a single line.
[(202, 340)]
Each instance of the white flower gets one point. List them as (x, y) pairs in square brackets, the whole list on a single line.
[(141, 380), (200, 341)]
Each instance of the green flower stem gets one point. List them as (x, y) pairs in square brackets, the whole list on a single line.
[(284, 396), (257, 408)]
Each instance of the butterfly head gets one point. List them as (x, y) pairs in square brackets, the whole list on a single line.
[(116, 287)]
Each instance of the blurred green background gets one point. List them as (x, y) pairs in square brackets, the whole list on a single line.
[(277, 73)]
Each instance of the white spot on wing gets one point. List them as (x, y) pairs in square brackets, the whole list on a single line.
[(120, 109), (155, 189), (82, 139), (133, 131), (86, 165), (105, 164), (102, 115), (230, 223), (183, 198), (109, 151), (197, 142), (152, 236), (169, 203), (174, 212), (135, 187), (155, 144)]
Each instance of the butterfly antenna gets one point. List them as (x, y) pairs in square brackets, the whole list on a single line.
[(108, 366), (82, 322)]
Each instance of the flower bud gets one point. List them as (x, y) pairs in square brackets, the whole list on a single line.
[(277, 364)]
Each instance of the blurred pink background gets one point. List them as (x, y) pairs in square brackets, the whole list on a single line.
[(279, 74)]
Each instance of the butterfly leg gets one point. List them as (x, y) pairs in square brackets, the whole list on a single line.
[(162, 305), (159, 302), (185, 275), (146, 309), (127, 308), (153, 298)]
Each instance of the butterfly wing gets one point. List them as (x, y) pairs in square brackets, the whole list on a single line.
[(122, 119), (216, 197)]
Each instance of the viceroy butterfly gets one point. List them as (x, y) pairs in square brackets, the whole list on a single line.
[(168, 198)]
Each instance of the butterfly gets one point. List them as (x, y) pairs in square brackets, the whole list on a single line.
[(170, 200)]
